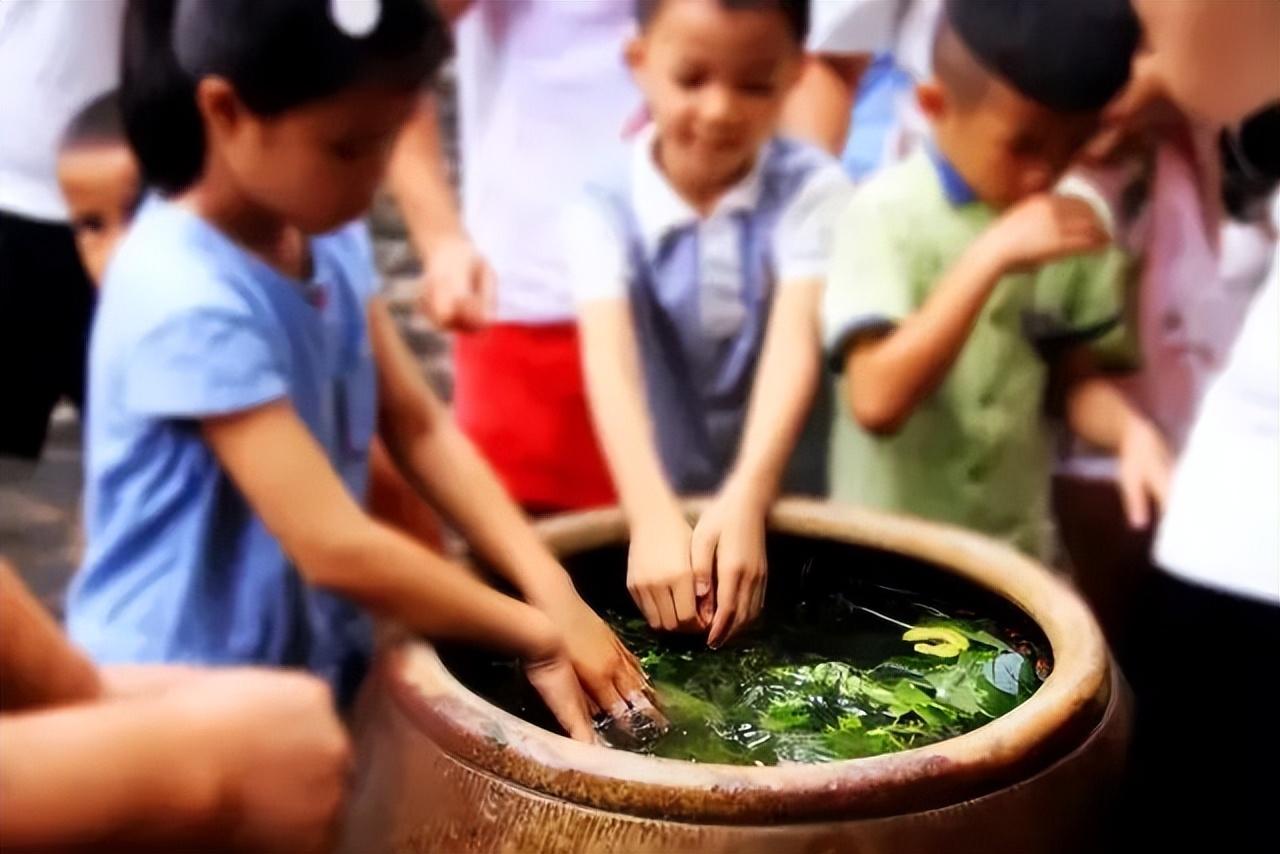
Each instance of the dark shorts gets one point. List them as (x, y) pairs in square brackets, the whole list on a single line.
[(1203, 666), (46, 307)]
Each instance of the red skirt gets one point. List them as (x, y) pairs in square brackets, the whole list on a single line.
[(519, 395)]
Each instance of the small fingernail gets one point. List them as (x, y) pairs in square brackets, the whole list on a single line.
[(702, 588)]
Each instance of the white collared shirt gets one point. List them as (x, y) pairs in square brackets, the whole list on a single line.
[(600, 260)]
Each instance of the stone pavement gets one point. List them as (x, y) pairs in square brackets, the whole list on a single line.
[(40, 511)]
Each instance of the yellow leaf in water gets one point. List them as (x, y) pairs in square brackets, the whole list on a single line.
[(937, 640)]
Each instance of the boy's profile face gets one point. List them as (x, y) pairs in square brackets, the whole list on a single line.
[(1005, 145), (715, 80), (102, 187)]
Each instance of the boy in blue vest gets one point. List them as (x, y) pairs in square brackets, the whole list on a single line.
[(698, 272), (962, 286)]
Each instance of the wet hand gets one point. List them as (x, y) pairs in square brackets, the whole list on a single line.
[(609, 674), (729, 546), (459, 286), (1145, 468), (1044, 228), (660, 577)]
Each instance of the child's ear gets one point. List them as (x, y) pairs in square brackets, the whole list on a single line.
[(218, 103), (932, 99), (634, 53)]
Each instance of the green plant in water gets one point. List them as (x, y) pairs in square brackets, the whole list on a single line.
[(772, 700)]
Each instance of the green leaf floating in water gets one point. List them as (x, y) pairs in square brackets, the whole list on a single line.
[(939, 641)]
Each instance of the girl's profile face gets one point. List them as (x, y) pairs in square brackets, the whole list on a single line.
[(315, 166)]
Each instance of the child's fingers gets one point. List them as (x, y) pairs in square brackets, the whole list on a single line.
[(666, 605), (1134, 497), (702, 556), (640, 595), (757, 600), (643, 705), (744, 616), (726, 608), (706, 609), (1160, 476), (686, 605), (557, 684), (608, 697)]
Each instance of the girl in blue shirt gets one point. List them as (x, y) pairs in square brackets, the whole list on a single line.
[(242, 364)]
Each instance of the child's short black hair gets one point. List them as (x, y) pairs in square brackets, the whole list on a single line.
[(795, 11), (278, 54), (1251, 165), (97, 123), (1067, 55)]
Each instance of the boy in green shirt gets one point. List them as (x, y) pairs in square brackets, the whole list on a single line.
[(961, 288)]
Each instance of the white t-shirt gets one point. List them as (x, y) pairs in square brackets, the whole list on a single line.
[(55, 56), (1221, 528), (544, 97)]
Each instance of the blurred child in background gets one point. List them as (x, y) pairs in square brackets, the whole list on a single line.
[(960, 285), (100, 181), (242, 365), (1218, 594), (698, 271)]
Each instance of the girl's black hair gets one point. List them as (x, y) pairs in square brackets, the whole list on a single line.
[(796, 13), (278, 54)]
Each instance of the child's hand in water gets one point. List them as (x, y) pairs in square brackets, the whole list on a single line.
[(1145, 466), (730, 538), (1043, 228), (659, 575), (551, 673), (607, 671)]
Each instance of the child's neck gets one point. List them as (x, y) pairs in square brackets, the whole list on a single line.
[(260, 232), (700, 192)]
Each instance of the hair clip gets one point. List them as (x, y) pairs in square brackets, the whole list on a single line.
[(355, 18)]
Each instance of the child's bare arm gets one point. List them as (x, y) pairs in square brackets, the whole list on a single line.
[(1099, 413), (731, 533), (659, 574), (288, 480), (38, 665), (887, 377), (447, 469), (460, 286), (820, 105), (263, 763), (393, 500)]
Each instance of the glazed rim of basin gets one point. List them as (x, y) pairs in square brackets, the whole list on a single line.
[(1052, 722)]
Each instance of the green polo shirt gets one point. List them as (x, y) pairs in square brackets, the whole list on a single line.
[(976, 452)]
